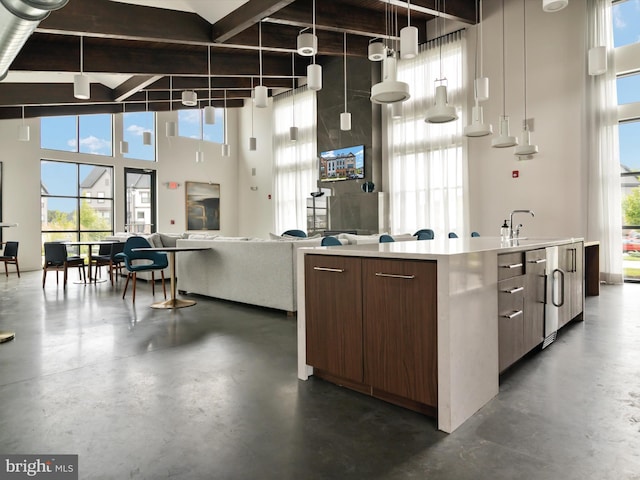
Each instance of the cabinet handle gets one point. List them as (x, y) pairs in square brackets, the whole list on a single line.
[(391, 275), (513, 314), (540, 260), (325, 269), (553, 279), (513, 265), (514, 290)]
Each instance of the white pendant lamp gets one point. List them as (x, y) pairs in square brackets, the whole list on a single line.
[(199, 152), (441, 111), (24, 131), (81, 85), (504, 139), (226, 151), (525, 148), (390, 90), (253, 141), (307, 44), (478, 128), (377, 50), (597, 60), (396, 109), (189, 98), (171, 128), (314, 71), (260, 93), (146, 135), (293, 130), (551, 6), (345, 117), (408, 37), (124, 145), (209, 110)]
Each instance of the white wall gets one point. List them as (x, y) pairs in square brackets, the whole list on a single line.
[(553, 184)]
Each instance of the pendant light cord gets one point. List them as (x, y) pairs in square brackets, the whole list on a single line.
[(408, 13), (81, 55), (260, 48), (504, 78), (171, 93), (345, 71), (252, 107), (293, 88), (225, 116), (524, 56), (209, 71)]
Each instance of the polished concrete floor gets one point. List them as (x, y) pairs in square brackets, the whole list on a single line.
[(210, 392)]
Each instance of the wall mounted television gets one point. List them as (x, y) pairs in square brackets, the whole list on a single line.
[(342, 164)]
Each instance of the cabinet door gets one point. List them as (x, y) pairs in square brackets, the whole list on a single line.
[(534, 293), (577, 280), (510, 321), (400, 328), (333, 302)]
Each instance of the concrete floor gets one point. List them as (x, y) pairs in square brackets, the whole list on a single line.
[(210, 392)]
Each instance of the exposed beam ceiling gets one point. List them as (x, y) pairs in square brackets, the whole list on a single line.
[(142, 46)]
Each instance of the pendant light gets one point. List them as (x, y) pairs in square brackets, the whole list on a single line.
[(124, 145), (226, 151), (261, 94), (81, 85), (199, 152), (345, 117), (552, 6), (209, 110), (525, 148), (480, 88), (253, 141), (24, 131), (146, 135), (389, 90), (307, 43), (396, 109), (408, 37), (597, 60), (189, 98), (314, 71), (503, 139), (377, 50), (441, 112), (293, 130), (171, 128)]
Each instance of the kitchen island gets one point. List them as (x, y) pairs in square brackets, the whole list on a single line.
[(429, 325)]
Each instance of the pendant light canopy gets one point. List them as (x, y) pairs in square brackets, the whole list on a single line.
[(408, 37), (81, 85), (504, 139), (441, 112), (525, 148), (260, 93), (345, 117), (226, 151), (551, 6), (171, 128), (24, 131), (314, 71)]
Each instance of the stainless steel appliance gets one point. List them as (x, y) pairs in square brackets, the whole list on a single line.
[(554, 295)]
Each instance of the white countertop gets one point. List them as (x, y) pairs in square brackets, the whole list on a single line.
[(432, 249)]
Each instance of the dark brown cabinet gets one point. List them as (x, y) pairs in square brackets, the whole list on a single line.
[(371, 325)]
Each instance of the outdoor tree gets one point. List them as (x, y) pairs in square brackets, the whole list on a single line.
[(631, 207)]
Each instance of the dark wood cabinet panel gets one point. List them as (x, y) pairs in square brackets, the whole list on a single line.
[(534, 297), (333, 301), (400, 328)]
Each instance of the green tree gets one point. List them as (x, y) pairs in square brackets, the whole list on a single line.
[(90, 218), (631, 207)]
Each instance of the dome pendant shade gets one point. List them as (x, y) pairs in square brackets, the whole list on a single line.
[(551, 6), (253, 144), (478, 128), (307, 44), (314, 77), (441, 112), (481, 88), (525, 148), (377, 51), (210, 115), (261, 95), (189, 98), (146, 138), (389, 90), (597, 60), (408, 42), (504, 140), (171, 129), (345, 121), (81, 87), (24, 133)]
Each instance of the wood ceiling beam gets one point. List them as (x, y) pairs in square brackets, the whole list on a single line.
[(244, 17), (133, 85)]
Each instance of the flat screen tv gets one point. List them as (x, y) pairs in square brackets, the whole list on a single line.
[(342, 164)]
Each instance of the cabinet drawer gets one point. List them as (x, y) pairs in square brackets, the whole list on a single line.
[(510, 265), (511, 296)]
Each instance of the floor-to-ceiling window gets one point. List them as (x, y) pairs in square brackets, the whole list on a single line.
[(626, 30)]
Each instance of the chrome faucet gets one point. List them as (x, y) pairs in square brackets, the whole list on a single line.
[(517, 229)]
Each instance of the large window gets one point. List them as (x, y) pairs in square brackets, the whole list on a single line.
[(626, 22), (140, 194), (76, 201), (134, 125), (191, 124), (91, 134)]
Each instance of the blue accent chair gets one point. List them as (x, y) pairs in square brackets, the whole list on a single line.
[(425, 234), (386, 238), (330, 242), (453, 235), (295, 233), (141, 262), (475, 234)]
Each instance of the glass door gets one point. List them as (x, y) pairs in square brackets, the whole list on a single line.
[(140, 200)]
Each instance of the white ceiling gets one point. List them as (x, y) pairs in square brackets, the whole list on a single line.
[(210, 10)]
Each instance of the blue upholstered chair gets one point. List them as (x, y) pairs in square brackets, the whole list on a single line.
[(10, 255), (136, 262), (453, 235), (475, 234), (330, 242), (384, 238), (425, 234), (295, 233)]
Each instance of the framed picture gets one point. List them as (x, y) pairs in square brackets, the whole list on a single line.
[(203, 206)]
